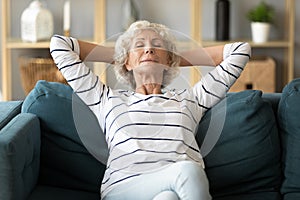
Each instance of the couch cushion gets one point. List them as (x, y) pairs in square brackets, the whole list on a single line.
[(42, 192), (246, 156), (65, 162), (273, 99), (288, 115), (8, 110), (264, 195)]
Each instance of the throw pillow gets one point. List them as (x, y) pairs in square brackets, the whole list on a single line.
[(246, 156), (65, 161)]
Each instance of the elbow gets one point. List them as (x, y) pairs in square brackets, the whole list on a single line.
[(53, 43), (247, 49)]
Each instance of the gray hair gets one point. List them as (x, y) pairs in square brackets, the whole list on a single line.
[(122, 48)]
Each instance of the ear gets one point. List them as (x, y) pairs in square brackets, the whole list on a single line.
[(169, 60), (127, 66)]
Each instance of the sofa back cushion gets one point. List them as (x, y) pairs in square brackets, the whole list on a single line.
[(288, 115), (246, 156), (65, 161)]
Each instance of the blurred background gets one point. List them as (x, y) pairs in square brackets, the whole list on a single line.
[(176, 14)]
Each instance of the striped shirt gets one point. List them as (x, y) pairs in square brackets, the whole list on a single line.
[(147, 132)]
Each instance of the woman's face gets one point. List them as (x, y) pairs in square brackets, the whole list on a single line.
[(147, 48)]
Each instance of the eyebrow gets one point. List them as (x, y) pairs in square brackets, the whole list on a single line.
[(138, 39)]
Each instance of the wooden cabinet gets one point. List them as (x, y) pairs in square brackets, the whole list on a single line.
[(196, 7), (286, 43)]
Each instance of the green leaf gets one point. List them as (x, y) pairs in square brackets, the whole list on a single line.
[(261, 13)]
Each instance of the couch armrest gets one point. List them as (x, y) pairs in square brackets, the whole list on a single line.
[(19, 156), (8, 110)]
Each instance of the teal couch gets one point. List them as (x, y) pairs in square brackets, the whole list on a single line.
[(250, 142)]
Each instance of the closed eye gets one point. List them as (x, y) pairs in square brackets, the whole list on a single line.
[(139, 44), (157, 43)]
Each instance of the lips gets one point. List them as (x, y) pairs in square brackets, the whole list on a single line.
[(149, 60)]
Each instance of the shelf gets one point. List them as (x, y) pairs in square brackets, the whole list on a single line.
[(196, 6), (19, 44), (269, 44)]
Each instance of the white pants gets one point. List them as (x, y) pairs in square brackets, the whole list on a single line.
[(184, 180)]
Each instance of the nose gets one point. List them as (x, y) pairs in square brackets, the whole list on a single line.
[(149, 50)]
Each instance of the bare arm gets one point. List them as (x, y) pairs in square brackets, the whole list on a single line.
[(208, 56), (95, 53)]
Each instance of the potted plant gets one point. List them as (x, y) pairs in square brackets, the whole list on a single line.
[(261, 18)]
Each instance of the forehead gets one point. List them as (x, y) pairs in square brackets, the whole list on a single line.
[(147, 34)]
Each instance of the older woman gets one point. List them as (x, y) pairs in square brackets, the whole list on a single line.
[(149, 131)]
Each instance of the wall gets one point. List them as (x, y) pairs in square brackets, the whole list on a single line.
[(175, 15)]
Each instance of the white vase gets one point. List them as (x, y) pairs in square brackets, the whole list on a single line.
[(36, 23), (260, 31)]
